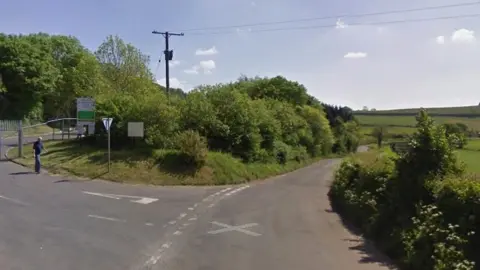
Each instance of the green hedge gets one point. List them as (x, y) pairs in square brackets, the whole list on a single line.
[(419, 207)]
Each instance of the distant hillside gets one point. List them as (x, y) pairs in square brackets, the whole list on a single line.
[(466, 111)]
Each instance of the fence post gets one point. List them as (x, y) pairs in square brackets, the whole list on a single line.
[(1, 142), (20, 139), (69, 126), (63, 128)]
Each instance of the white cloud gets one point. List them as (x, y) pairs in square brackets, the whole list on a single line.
[(463, 36), (206, 67), (340, 24), (440, 40), (174, 63), (210, 51), (174, 83), (192, 70), (355, 55)]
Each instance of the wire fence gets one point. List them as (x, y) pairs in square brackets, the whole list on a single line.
[(17, 133)]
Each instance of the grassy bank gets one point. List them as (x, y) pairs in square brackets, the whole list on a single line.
[(158, 167)]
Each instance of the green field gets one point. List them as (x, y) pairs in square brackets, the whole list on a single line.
[(367, 130), (447, 111), (471, 156), (410, 121), (400, 123)]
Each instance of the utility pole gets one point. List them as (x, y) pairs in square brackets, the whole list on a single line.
[(168, 56)]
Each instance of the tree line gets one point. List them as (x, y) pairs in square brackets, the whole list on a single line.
[(255, 119)]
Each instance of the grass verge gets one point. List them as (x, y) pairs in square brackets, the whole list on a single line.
[(157, 167)]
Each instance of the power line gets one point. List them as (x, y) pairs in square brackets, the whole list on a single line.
[(351, 24), (336, 16)]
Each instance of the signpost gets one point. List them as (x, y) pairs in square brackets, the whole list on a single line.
[(86, 113), (107, 122)]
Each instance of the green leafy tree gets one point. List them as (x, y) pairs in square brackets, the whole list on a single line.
[(29, 74), (379, 133)]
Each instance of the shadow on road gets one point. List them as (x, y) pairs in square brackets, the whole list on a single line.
[(21, 173), (368, 251), (80, 181)]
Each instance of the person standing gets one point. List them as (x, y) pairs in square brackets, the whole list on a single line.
[(37, 151)]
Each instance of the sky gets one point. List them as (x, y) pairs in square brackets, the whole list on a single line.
[(345, 60)]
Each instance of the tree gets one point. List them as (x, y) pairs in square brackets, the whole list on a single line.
[(124, 66), (379, 133), (456, 134), (28, 74), (365, 108), (81, 76)]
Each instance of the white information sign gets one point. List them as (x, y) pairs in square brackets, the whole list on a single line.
[(135, 129)]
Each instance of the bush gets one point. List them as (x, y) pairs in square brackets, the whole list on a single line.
[(418, 207), (281, 151), (193, 148)]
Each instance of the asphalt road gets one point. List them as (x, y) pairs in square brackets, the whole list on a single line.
[(57, 223)]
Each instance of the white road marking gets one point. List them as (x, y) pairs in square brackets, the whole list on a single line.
[(211, 205), (13, 200), (237, 190), (182, 215), (149, 224), (177, 233), (107, 218), (154, 259), (136, 199), (172, 222), (225, 190), (192, 219), (191, 208), (228, 228)]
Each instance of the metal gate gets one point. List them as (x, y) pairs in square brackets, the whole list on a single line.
[(9, 131)]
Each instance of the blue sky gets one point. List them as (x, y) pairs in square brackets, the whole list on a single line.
[(379, 66)]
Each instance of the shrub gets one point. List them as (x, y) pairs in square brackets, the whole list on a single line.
[(281, 151), (360, 186), (193, 148), (418, 207), (432, 244)]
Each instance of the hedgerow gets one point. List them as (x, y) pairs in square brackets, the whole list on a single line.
[(418, 207)]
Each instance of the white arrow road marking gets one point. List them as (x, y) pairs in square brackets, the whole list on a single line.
[(137, 199)]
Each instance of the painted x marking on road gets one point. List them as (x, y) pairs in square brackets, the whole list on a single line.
[(240, 228)]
